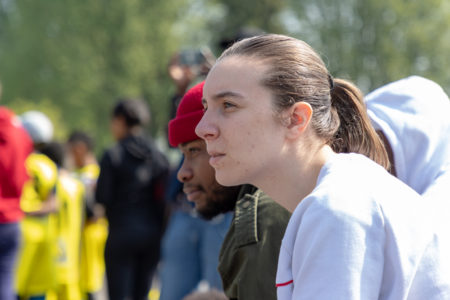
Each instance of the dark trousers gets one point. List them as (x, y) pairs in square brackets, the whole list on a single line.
[(9, 243), (130, 264)]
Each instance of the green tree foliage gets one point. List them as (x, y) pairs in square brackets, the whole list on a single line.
[(82, 55), (73, 58), (223, 19), (54, 113), (374, 42), (262, 14)]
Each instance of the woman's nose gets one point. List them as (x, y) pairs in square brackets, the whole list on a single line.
[(206, 129)]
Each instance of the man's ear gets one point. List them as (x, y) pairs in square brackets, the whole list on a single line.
[(299, 118)]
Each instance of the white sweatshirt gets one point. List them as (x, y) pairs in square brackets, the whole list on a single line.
[(362, 234), (414, 115)]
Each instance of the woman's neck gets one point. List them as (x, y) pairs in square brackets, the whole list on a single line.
[(295, 177)]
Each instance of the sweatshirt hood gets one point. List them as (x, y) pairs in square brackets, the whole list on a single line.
[(138, 146), (144, 148), (414, 115)]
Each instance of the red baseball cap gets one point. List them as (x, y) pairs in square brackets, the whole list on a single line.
[(189, 114)]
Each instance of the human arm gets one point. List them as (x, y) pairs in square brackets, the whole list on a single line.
[(15, 146), (272, 220), (48, 206), (105, 184), (253, 243), (338, 252), (181, 75)]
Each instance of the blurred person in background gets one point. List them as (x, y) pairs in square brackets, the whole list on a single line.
[(188, 67), (242, 33), (131, 189), (411, 116), (36, 268), (95, 227), (15, 146), (191, 245), (68, 221)]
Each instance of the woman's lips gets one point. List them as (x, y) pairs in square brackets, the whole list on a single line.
[(215, 159)]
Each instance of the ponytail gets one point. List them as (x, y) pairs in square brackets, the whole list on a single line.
[(297, 73), (355, 132)]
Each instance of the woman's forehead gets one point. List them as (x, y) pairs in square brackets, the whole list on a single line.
[(233, 76)]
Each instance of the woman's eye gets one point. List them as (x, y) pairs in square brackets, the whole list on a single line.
[(228, 105)]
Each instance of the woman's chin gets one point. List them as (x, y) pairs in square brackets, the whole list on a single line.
[(227, 178)]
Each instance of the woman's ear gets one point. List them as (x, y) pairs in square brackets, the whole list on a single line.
[(299, 118)]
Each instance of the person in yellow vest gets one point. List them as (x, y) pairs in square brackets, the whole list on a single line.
[(95, 229), (69, 194), (35, 269)]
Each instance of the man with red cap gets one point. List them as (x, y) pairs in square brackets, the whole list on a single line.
[(191, 243), (249, 254)]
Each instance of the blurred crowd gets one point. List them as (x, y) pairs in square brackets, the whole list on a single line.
[(74, 215), (74, 227), (59, 241)]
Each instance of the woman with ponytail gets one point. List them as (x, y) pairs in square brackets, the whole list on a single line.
[(275, 118)]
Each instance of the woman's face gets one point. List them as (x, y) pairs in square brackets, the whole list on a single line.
[(242, 134)]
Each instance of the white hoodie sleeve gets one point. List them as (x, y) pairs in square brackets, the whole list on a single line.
[(338, 253)]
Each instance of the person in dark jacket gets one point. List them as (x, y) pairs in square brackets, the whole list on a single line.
[(131, 189)]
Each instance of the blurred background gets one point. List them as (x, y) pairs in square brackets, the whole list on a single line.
[(71, 59)]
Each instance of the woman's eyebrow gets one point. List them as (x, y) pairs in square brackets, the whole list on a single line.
[(225, 94)]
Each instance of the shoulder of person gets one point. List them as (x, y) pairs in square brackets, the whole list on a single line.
[(113, 155), (5, 116), (269, 209), (266, 203)]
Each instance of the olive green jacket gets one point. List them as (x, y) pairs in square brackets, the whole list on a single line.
[(249, 255)]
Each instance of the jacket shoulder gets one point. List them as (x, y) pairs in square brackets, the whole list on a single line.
[(270, 212)]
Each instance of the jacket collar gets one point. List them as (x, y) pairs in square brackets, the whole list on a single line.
[(245, 218)]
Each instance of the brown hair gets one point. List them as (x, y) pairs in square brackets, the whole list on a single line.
[(297, 74)]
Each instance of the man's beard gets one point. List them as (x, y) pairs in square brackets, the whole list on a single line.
[(222, 200)]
